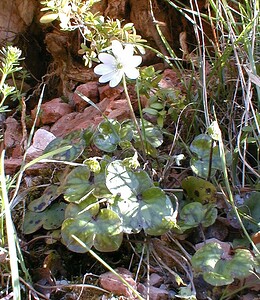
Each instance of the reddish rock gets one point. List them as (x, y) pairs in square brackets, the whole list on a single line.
[(52, 111), (72, 122), (112, 283), (154, 292), (91, 116), (41, 139), (112, 93), (118, 109), (39, 169), (90, 90), (12, 165), (22, 14), (170, 79), (155, 280), (12, 137)]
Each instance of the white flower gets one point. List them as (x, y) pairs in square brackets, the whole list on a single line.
[(113, 67)]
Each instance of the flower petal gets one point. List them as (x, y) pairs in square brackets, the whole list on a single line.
[(117, 48), (106, 58), (132, 73), (133, 61), (116, 78), (104, 69), (107, 77), (129, 50)]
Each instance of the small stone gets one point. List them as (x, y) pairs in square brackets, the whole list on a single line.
[(155, 280), (12, 165), (51, 111), (41, 139), (112, 283), (112, 93), (154, 292), (90, 90), (13, 133), (80, 120)]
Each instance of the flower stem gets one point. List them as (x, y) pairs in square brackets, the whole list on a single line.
[(132, 114)]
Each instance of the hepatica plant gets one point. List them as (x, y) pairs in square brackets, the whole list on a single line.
[(105, 197)]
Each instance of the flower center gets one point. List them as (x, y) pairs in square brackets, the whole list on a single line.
[(119, 66)]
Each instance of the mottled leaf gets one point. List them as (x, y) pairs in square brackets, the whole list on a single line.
[(49, 195), (32, 222), (76, 185), (74, 140), (199, 190), (53, 216)]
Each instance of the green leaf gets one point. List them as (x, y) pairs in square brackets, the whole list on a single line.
[(206, 149), (150, 210), (32, 222), (150, 111), (103, 230), (205, 259), (74, 140), (76, 185), (107, 135), (195, 214), (217, 279), (214, 131), (241, 265), (126, 132), (156, 211), (153, 134), (87, 208), (201, 145), (251, 207), (191, 215), (93, 164), (201, 167), (121, 180), (144, 180), (49, 195), (210, 215), (82, 229), (139, 204), (157, 105), (199, 190), (53, 216), (109, 235), (132, 162), (217, 271)]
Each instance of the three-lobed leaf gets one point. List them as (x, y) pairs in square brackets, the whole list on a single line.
[(137, 201)]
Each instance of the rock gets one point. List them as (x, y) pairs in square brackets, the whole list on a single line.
[(12, 165), (155, 280), (52, 111), (118, 110), (112, 93), (15, 17), (41, 139), (113, 109), (12, 137), (90, 90), (76, 121), (91, 116), (171, 79), (154, 292), (112, 283)]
